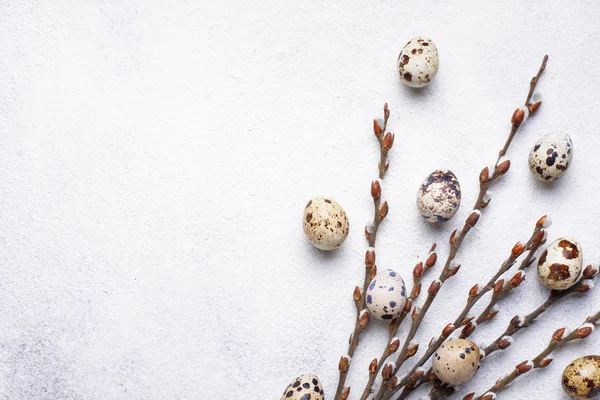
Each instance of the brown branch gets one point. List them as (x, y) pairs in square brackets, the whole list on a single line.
[(475, 294), (393, 342), (412, 380), (491, 310), (504, 340), (390, 386), (380, 212), (542, 360)]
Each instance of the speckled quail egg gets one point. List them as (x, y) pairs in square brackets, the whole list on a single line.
[(386, 295), (418, 62), (325, 223), (581, 378), (304, 387), (551, 156), (456, 361), (560, 264), (438, 198)]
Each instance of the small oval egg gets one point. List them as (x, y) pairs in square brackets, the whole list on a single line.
[(551, 156), (560, 264), (325, 223), (418, 62), (386, 295), (304, 387), (456, 361), (581, 378), (438, 198)]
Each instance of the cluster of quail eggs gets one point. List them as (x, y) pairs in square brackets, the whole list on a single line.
[(438, 200)]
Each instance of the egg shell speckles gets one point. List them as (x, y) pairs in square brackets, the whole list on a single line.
[(551, 156), (325, 223), (304, 387), (581, 378), (438, 198), (418, 62), (386, 295), (456, 361), (560, 264)]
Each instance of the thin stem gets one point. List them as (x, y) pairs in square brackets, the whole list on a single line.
[(380, 212), (392, 344), (504, 340), (542, 360), (475, 294)]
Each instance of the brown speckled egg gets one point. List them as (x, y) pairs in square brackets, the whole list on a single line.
[(304, 387), (581, 378), (325, 223), (551, 156), (418, 62), (560, 264), (456, 361), (438, 198)]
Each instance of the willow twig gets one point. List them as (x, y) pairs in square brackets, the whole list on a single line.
[(414, 377), (559, 339), (390, 386), (386, 142), (393, 342), (518, 323)]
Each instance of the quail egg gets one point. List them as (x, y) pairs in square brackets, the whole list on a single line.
[(456, 361), (560, 264), (438, 198), (386, 295), (551, 156), (418, 62), (304, 387), (325, 223), (581, 378)]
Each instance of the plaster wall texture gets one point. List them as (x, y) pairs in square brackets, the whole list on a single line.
[(156, 157)]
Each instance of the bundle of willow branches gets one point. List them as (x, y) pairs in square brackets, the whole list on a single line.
[(384, 380)]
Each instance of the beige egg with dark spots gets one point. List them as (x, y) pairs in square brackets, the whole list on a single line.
[(456, 361), (418, 62), (581, 378), (560, 264), (325, 223), (551, 156), (438, 198), (304, 387)]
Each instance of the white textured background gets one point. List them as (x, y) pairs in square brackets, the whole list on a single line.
[(156, 157)]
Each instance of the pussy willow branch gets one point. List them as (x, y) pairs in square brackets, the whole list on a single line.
[(380, 212), (475, 294), (542, 360), (393, 342), (517, 323), (500, 291), (390, 386), (416, 377)]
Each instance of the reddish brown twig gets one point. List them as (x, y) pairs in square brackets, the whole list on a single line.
[(476, 293), (542, 360), (500, 291), (518, 323), (393, 342), (390, 386), (380, 212)]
